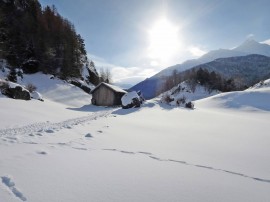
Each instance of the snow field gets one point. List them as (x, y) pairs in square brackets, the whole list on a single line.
[(58, 152)]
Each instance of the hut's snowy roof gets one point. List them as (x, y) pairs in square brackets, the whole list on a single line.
[(114, 88)]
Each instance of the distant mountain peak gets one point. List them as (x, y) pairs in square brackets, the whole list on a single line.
[(248, 42), (251, 46)]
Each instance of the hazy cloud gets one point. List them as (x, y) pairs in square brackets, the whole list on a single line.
[(124, 76)]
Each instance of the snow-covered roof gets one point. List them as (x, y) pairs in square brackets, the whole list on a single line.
[(114, 88)]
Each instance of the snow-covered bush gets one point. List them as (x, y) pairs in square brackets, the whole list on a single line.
[(180, 101), (131, 99), (189, 105), (166, 98)]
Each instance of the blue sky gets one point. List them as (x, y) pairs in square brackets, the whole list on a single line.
[(116, 32)]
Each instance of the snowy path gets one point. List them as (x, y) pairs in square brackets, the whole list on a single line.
[(49, 127)]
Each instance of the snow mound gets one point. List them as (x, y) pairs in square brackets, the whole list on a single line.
[(248, 100), (36, 95), (128, 98), (186, 92)]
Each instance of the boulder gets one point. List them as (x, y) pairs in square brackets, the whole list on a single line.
[(131, 99), (18, 92), (189, 105)]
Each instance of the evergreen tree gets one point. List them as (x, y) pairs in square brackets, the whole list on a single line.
[(39, 39)]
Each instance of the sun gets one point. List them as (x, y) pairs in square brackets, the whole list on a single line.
[(163, 40)]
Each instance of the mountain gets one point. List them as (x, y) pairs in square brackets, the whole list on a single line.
[(248, 69), (151, 86)]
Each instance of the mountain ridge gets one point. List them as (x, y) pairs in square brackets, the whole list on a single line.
[(150, 86)]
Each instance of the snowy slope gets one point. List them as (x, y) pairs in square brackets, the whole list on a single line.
[(262, 84), (217, 152), (57, 90), (255, 98)]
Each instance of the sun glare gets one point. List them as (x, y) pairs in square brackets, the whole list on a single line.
[(164, 40)]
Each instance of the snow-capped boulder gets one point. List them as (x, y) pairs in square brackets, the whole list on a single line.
[(37, 96), (131, 99), (17, 91)]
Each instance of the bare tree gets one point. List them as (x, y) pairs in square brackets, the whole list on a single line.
[(108, 75), (105, 75)]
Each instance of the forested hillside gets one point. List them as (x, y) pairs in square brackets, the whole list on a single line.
[(39, 39)]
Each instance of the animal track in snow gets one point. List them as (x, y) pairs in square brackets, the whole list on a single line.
[(80, 148), (31, 142), (147, 153), (42, 152), (127, 152), (88, 135), (49, 131), (6, 180), (110, 149), (150, 155)]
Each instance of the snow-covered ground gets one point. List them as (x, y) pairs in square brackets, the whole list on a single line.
[(73, 151)]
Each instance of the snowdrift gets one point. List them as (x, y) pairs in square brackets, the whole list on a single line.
[(254, 98)]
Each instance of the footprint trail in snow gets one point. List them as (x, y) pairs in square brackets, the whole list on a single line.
[(150, 155)]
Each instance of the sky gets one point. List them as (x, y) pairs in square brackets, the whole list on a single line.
[(136, 39)]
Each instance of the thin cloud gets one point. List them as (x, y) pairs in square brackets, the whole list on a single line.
[(250, 36), (196, 51), (266, 42)]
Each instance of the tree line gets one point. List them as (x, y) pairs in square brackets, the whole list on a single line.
[(210, 80), (39, 39)]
